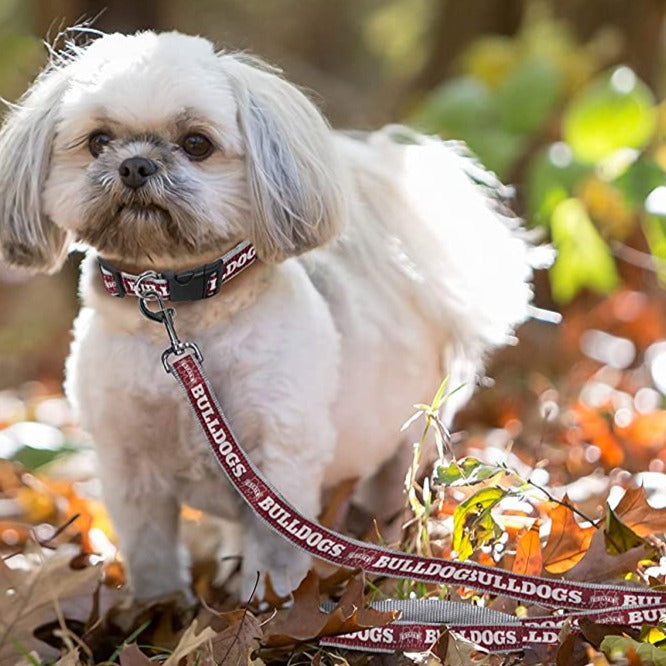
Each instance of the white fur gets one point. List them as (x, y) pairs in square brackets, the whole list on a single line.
[(316, 358)]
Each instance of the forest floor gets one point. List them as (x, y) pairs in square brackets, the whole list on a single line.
[(572, 431)]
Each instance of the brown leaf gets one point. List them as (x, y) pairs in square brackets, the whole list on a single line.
[(132, 656), (571, 651), (598, 565), (337, 504), (193, 638), (568, 541), (595, 633), (456, 651), (234, 643), (27, 597), (637, 514), (306, 621), (528, 560)]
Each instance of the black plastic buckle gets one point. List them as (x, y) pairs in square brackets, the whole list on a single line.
[(193, 285)]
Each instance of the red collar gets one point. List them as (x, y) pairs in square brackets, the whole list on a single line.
[(192, 285)]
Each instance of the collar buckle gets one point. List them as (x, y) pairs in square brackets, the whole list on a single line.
[(201, 282)]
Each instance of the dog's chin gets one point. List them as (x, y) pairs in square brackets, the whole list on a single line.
[(147, 212), (138, 232)]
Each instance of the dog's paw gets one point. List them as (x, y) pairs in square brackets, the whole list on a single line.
[(271, 556)]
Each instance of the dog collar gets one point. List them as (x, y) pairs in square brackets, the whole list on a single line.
[(192, 285)]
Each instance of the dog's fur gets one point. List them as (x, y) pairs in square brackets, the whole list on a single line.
[(383, 266)]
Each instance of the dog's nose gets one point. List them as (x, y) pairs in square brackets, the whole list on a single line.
[(135, 171)]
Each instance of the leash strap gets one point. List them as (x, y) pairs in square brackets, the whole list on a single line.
[(198, 283), (613, 603), (601, 603)]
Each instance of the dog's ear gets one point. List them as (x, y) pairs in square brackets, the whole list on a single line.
[(28, 238), (293, 176)]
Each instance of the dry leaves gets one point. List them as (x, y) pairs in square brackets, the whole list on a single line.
[(529, 558), (306, 621), (568, 541)]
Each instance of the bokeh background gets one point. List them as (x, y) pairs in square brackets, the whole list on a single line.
[(564, 99), (561, 98)]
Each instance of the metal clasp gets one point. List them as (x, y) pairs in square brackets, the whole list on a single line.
[(162, 315)]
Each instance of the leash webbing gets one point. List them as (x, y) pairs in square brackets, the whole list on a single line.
[(601, 603)]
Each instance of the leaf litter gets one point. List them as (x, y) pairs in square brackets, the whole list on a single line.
[(557, 470)]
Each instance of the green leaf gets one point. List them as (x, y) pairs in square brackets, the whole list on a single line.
[(456, 106), (467, 471), (583, 258), (495, 147), (614, 111), (551, 178), (654, 228), (616, 647), (439, 398), (528, 95), (32, 458), (618, 537), (639, 180), (473, 523)]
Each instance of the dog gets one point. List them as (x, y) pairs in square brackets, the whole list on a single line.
[(384, 262)]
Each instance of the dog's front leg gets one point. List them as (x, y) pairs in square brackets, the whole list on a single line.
[(145, 515), (147, 529), (267, 553)]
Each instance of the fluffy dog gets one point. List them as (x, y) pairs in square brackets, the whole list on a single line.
[(385, 262)]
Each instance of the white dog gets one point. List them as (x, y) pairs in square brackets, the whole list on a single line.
[(385, 262)]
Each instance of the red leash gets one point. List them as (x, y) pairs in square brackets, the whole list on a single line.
[(423, 619)]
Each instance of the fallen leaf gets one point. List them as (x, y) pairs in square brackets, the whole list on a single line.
[(306, 621), (453, 650), (637, 514), (193, 638), (27, 596), (337, 504), (568, 541), (595, 633), (235, 643), (528, 560), (598, 565), (571, 650)]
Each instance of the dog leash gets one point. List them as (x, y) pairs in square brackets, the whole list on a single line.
[(422, 621)]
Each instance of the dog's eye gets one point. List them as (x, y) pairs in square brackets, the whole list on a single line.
[(97, 142), (196, 146)]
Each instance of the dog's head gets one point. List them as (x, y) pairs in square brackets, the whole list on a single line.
[(153, 145)]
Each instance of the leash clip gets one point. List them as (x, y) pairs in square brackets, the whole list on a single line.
[(162, 315)]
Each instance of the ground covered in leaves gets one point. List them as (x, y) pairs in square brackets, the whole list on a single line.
[(557, 469)]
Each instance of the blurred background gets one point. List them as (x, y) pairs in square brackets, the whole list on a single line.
[(563, 99)]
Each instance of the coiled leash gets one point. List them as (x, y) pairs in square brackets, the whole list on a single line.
[(422, 621)]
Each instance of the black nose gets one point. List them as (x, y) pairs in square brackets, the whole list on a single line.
[(135, 171)]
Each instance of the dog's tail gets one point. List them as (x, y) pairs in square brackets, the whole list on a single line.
[(464, 253)]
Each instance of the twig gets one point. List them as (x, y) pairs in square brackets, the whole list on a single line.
[(552, 498)]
